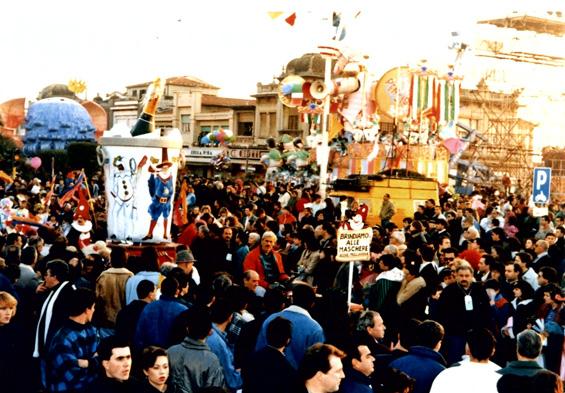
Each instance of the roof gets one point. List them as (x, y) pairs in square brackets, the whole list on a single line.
[(189, 81), (8, 133), (554, 26), (226, 102)]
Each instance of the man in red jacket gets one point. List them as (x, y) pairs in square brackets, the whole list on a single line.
[(266, 262)]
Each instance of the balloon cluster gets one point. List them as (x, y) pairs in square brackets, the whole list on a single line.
[(220, 137)]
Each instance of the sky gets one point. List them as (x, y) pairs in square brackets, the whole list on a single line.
[(235, 44), (230, 44)]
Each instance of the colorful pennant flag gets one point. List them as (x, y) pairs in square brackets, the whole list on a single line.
[(82, 209), (71, 193), (275, 14), (291, 19)]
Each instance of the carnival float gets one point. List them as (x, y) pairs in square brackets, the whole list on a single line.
[(369, 136)]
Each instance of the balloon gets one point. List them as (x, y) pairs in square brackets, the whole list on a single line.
[(211, 137), (205, 140), (220, 137), (228, 134), (35, 162)]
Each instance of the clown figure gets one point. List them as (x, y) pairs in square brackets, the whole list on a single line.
[(123, 191)]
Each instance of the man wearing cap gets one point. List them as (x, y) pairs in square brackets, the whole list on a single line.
[(185, 260), (266, 261), (161, 191)]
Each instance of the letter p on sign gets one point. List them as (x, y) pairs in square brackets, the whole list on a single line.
[(541, 186)]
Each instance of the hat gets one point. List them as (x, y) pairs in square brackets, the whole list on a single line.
[(184, 256), (96, 248), (166, 164)]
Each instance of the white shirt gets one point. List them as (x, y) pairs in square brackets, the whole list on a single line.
[(424, 264), (468, 377), (531, 277)]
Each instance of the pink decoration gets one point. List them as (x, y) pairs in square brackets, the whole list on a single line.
[(35, 162)]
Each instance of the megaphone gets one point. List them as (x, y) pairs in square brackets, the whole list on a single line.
[(319, 90), (290, 91)]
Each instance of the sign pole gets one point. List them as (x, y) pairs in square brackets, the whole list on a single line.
[(350, 285)]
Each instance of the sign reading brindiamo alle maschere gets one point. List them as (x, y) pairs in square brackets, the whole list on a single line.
[(354, 245)]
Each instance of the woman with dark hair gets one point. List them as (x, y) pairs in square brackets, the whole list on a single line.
[(511, 226), (523, 306), (412, 294), (397, 382), (155, 366), (416, 235), (554, 318), (309, 259), (330, 212)]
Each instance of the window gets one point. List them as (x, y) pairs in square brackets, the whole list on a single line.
[(272, 123), (185, 123), (293, 122), (245, 128), (205, 128), (264, 130)]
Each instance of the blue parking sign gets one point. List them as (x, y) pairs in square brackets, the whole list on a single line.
[(541, 185)]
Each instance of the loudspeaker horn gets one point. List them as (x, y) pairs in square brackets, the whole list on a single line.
[(319, 90)]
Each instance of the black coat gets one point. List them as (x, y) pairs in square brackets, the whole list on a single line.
[(126, 321), (455, 318), (269, 371)]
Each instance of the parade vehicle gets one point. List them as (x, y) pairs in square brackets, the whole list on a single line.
[(407, 191)]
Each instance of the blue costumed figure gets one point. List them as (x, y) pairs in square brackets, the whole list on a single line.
[(161, 191)]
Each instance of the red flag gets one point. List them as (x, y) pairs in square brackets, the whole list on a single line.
[(291, 19), (71, 193), (180, 209), (47, 199), (82, 206)]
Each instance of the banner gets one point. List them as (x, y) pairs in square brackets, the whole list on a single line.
[(354, 245)]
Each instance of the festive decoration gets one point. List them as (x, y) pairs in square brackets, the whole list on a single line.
[(146, 122), (35, 162), (290, 91), (274, 14), (291, 19), (53, 123), (77, 86)]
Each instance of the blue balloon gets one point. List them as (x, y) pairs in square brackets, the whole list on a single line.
[(205, 140), (287, 89)]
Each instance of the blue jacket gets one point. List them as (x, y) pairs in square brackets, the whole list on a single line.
[(422, 364), (156, 323), (218, 344), (132, 282), (305, 333), (72, 342), (355, 382)]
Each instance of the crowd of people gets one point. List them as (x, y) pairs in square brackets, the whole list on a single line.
[(467, 292)]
